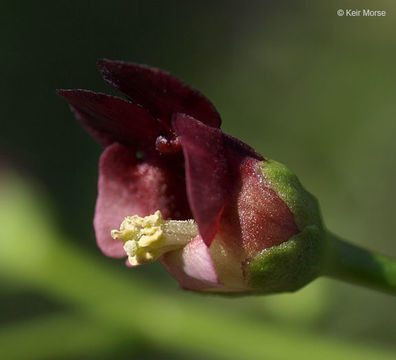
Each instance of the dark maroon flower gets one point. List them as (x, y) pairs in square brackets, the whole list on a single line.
[(204, 203)]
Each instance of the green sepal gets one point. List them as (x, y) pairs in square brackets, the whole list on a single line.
[(289, 266), (296, 262), (285, 183)]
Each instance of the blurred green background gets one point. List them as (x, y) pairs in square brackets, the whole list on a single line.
[(300, 84)]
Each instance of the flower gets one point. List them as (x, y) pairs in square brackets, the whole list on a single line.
[(218, 215)]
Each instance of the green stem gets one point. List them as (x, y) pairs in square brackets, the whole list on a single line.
[(351, 263)]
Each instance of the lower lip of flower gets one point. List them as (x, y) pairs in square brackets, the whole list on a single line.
[(147, 238)]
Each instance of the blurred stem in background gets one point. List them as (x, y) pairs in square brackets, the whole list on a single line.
[(57, 336), (113, 307)]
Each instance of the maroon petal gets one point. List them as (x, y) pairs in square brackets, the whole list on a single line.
[(128, 186), (110, 119), (192, 266), (159, 92), (207, 172)]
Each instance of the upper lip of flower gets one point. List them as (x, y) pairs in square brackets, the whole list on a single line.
[(154, 97), (159, 108)]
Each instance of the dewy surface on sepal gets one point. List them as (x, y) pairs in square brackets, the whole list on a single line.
[(294, 263), (147, 238)]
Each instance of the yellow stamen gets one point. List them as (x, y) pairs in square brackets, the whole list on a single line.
[(147, 238)]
